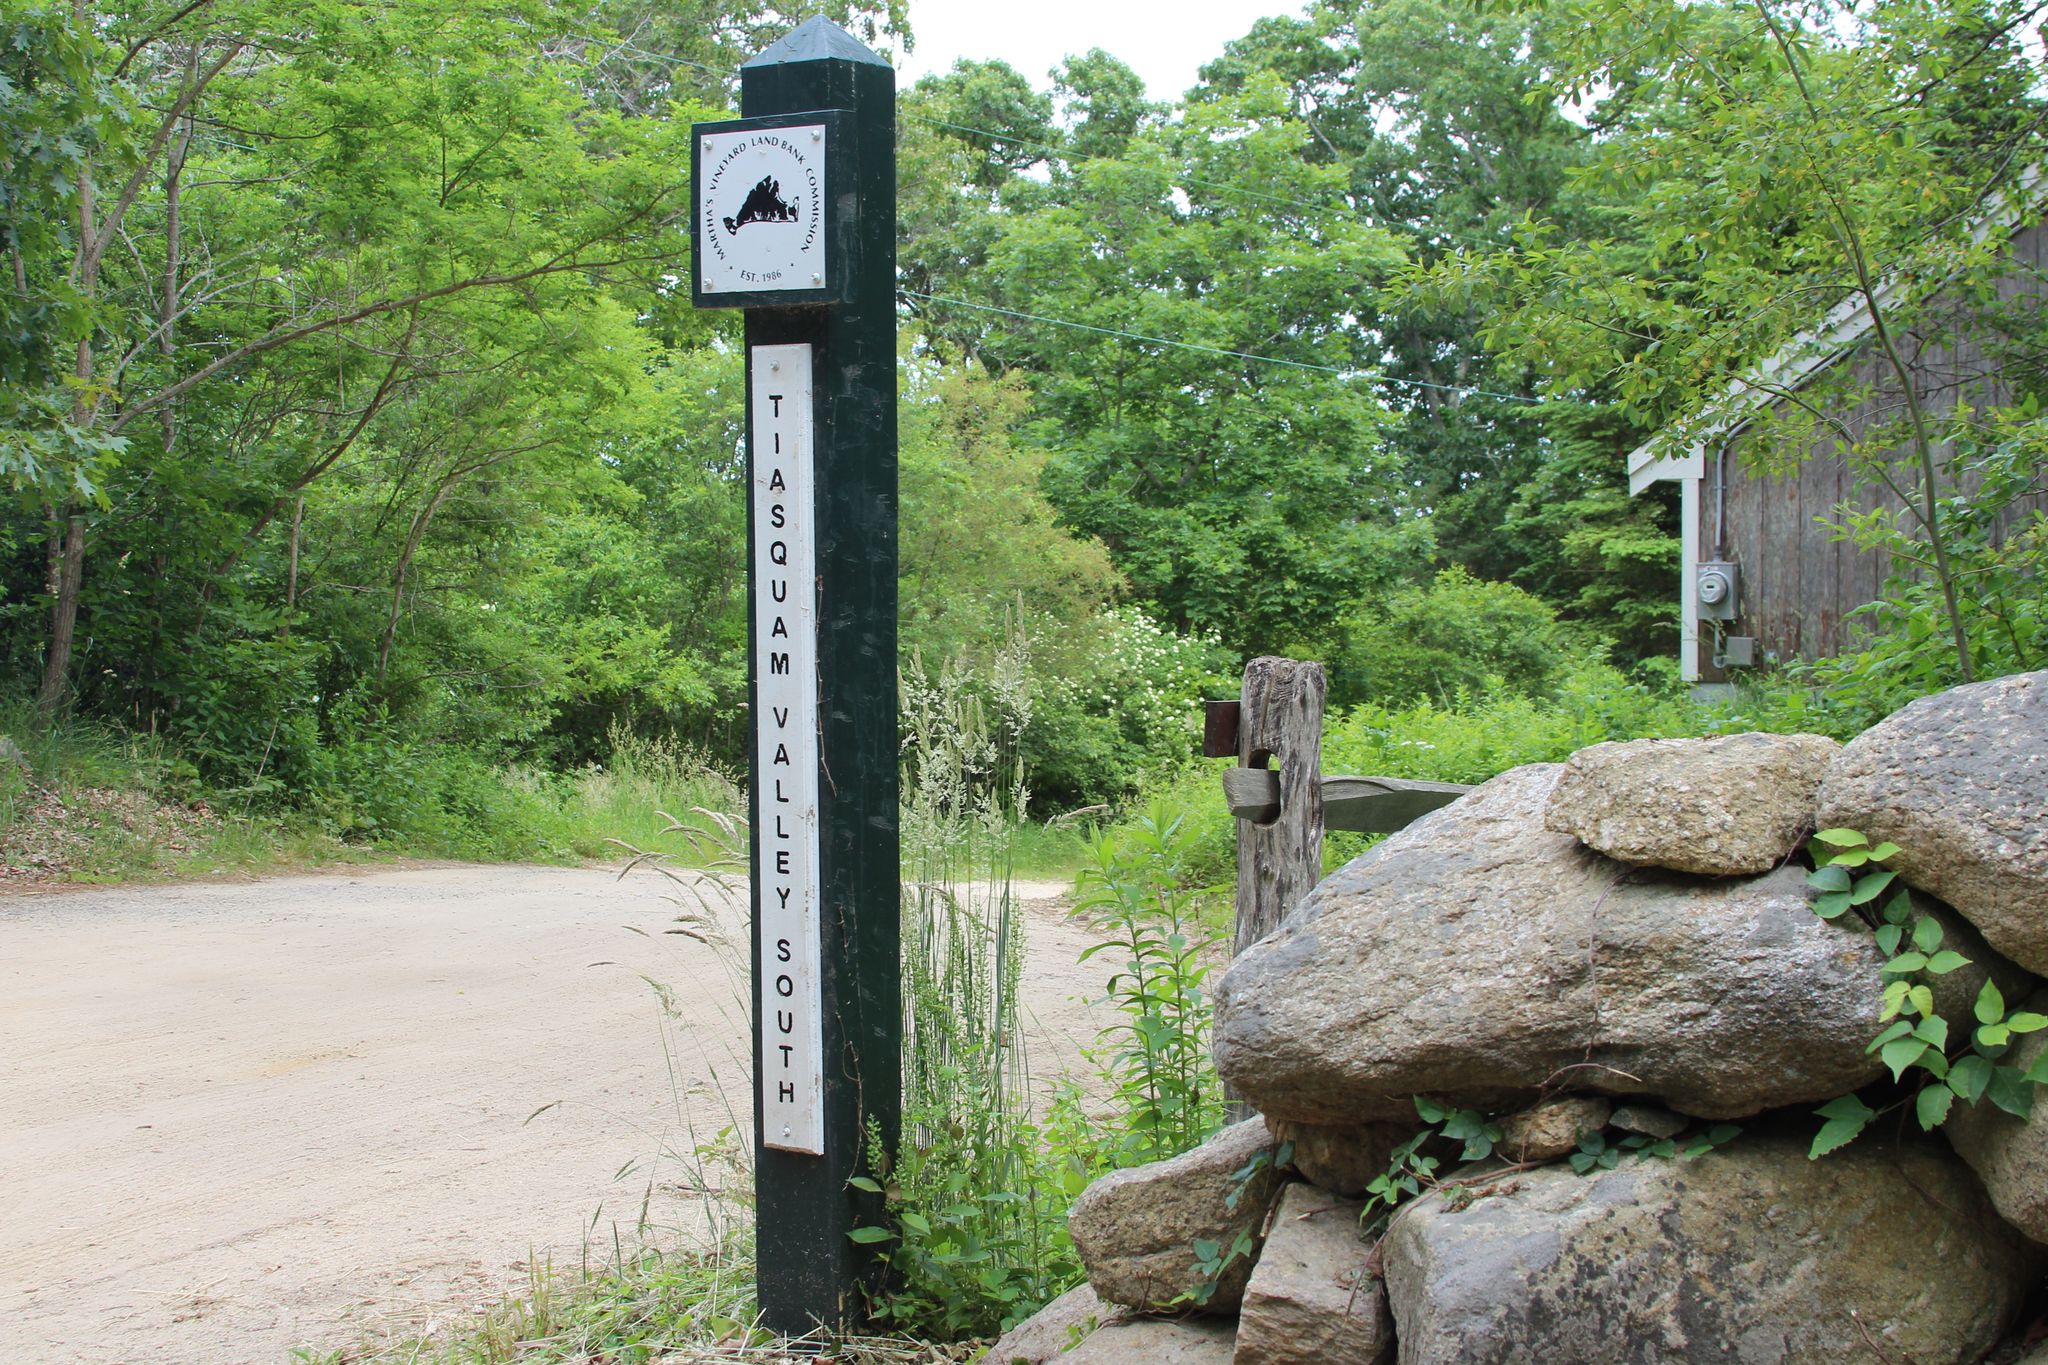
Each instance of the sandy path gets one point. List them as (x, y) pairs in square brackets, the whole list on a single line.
[(236, 1119)]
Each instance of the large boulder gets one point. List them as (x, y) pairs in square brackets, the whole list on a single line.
[(1752, 1254), (1315, 1297), (2010, 1154), (1480, 958), (1959, 781), (1136, 1230), (1726, 806)]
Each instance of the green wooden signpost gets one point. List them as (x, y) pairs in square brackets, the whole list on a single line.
[(794, 208)]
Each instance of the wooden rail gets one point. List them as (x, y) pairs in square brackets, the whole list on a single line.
[(1365, 805)]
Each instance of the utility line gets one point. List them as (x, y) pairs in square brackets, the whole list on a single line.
[(1216, 350), (1223, 185), (1227, 187)]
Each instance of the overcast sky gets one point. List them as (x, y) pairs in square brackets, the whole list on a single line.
[(1164, 41)]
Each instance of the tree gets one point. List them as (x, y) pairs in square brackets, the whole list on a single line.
[(1758, 165), (1200, 391), (1436, 114)]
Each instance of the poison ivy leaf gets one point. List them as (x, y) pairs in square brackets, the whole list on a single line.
[(1835, 1133), (1870, 887), (1946, 961), (1898, 909), (2011, 1091), (1888, 937), (1922, 1000), (1926, 932), (1901, 1054), (1990, 1006), (1969, 1076), (1932, 1106), (1906, 962), (2025, 1021), (866, 1236), (1883, 851), (1899, 1028), (1464, 1123), (1841, 838), (1831, 905), (1934, 1030), (1828, 879), (1993, 1035), (1846, 1107)]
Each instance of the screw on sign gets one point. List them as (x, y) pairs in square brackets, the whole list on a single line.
[(794, 220)]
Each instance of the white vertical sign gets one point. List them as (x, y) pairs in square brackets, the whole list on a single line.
[(788, 1013)]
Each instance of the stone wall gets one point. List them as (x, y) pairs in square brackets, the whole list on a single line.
[(1616, 954)]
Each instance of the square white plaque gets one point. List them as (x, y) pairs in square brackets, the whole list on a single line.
[(761, 209)]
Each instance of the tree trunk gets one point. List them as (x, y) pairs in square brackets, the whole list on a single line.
[(291, 579), (63, 621), (71, 567)]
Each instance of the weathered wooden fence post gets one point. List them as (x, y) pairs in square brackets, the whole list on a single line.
[(1280, 717), (795, 220)]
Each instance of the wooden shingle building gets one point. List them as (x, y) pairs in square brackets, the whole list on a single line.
[(1764, 579)]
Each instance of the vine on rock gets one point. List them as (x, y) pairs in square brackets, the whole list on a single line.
[(1936, 1063)]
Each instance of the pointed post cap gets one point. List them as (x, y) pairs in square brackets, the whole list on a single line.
[(816, 39)]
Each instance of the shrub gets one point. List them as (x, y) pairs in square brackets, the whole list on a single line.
[(1459, 634), (1116, 705)]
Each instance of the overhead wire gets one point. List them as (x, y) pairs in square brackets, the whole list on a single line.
[(1225, 186), (1217, 350), (625, 46)]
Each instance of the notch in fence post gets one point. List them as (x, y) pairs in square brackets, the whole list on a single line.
[(1280, 717)]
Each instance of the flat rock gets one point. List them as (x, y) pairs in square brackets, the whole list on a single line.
[(1724, 806), (1959, 781), (2009, 1154), (1549, 1130), (1482, 959), (1341, 1159), (1751, 1254), (1136, 1229), (1157, 1341), (1053, 1329), (1649, 1120), (1313, 1299)]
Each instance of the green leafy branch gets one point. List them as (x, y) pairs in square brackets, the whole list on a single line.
[(1212, 1257), (1950, 1064), (1410, 1167), (1596, 1153)]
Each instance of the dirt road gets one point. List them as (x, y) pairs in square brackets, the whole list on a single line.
[(239, 1119)]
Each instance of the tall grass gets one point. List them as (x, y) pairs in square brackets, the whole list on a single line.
[(979, 1243), (86, 802), (82, 801)]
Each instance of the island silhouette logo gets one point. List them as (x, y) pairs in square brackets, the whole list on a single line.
[(764, 204), (774, 176)]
